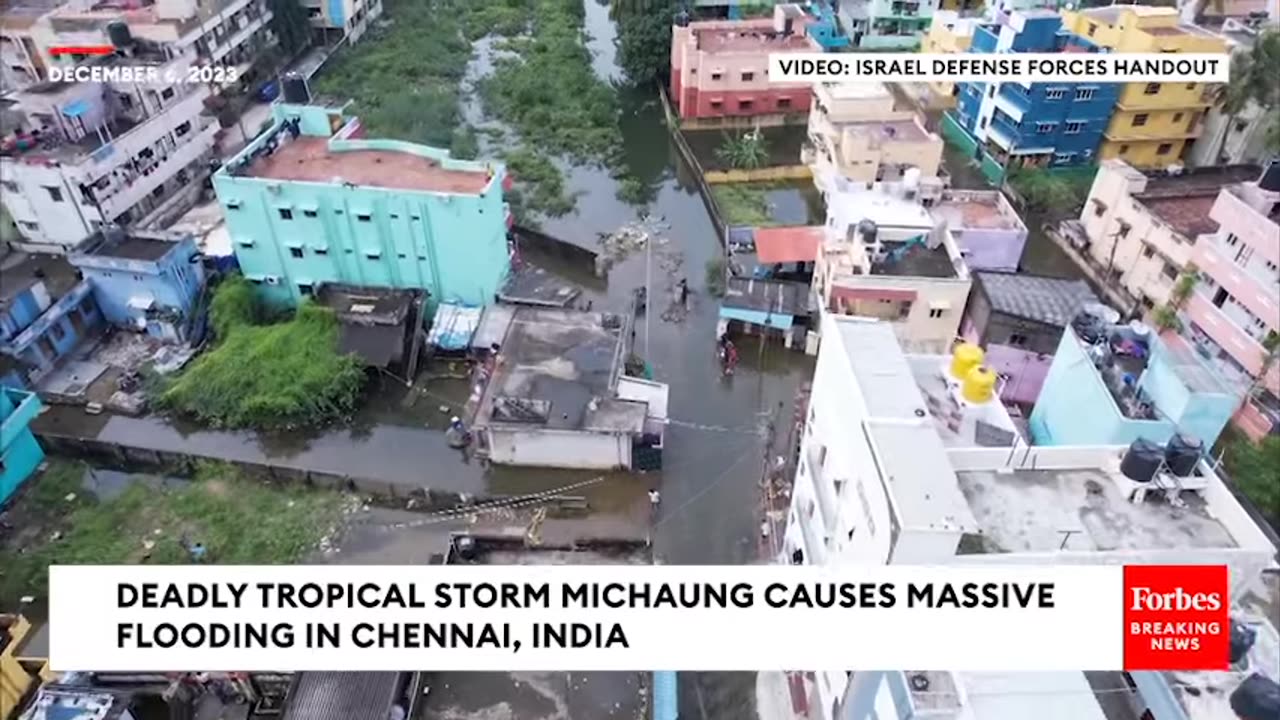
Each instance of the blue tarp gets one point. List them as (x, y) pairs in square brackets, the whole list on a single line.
[(665, 696), (76, 109), (757, 317), (453, 326)]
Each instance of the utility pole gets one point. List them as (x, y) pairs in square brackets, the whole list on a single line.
[(648, 296)]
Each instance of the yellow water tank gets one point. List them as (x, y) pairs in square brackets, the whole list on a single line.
[(979, 385), (966, 357)]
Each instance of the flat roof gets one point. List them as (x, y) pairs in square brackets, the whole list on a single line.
[(1040, 298), (976, 210), (309, 159), (917, 261), (1082, 509), (854, 90), (1187, 214), (1023, 695), (776, 297), (886, 130), (1207, 695), (557, 368), (136, 248), (20, 271), (748, 35), (911, 455), (342, 696), (798, 243), (959, 425), (850, 203)]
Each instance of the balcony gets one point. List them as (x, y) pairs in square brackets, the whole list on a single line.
[(143, 135), (1223, 331), (1215, 259), (200, 142), (1011, 104)]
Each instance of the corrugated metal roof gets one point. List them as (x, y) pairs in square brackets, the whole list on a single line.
[(788, 244), (454, 325), (342, 696)]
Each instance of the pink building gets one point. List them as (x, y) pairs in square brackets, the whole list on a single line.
[(720, 68), (1236, 305)]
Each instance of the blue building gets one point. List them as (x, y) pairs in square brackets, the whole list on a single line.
[(1007, 125), (1127, 385), (310, 202), (147, 282), (46, 309), (20, 454)]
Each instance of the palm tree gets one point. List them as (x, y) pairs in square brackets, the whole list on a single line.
[(1253, 80)]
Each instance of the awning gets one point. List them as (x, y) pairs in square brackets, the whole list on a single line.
[(76, 109), (788, 244)]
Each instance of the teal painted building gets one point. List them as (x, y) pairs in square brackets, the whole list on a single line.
[(20, 454), (1096, 397), (311, 201)]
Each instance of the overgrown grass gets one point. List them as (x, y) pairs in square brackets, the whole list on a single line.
[(281, 375), (238, 519), (1255, 469), (744, 203), (1059, 191)]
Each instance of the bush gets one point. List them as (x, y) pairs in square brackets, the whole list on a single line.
[(1059, 191), (1255, 469), (716, 276), (286, 374)]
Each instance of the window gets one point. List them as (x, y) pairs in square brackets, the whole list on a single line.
[(1044, 128), (57, 332), (1124, 149), (295, 252), (304, 289), (1017, 339), (233, 205), (1151, 89), (33, 227), (1099, 207), (246, 243), (1073, 127), (716, 104), (11, 186), (1085, 93), (320, 251), (166, 93), (748, 76), (285, 213), (784, 103), (1147, 302), (364, 217), (54, 193), (982, 122), (1148, 251), (373, 254), (1164, 148), (1169, 271), (716, 75), (1093, 28), (182, 129), (745, 104), (936, 313), (1177, 117), (1055, 93), (991, 91), (1124, 229), (309, 213), (1140, 119), (1191, 86)]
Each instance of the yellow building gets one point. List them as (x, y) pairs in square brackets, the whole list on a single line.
[(1154, 123), (24, 661), (949, 33)]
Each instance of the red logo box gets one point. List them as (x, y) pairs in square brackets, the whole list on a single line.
[(1176, 617)]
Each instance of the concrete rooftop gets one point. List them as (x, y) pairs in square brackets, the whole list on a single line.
[(985, 425), (1082, 510), (976, 210), (309, 159), (558, 368)]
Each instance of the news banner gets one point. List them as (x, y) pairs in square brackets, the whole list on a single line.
[(1024, 68), (385, 618)]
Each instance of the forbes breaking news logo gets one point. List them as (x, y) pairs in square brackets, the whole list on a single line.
[(1176, 617)]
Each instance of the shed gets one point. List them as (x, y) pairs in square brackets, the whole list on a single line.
[(771, 303), (795, 244)]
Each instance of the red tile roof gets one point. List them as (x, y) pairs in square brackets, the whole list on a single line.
[(788, 244)]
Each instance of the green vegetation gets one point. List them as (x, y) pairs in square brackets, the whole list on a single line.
[(747, 151), (715, 276), (405, 82), (1254, 468), (281, 375), (644, 38), (1166, 317), (290, 24), (744, 203), (1253, 81), (1059, 191), (238, 520)]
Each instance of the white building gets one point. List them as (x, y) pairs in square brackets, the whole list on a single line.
[(90, 153), (897, 466), (885, 256), (345, 19)]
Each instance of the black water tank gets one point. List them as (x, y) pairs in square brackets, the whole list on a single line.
[(868, 231), (1270, 179), (119, 34), (1142, 461), (1257, 698), (1242, 638), (1182, 453), (294, 89)]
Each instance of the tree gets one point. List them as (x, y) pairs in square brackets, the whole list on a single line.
[(1256, 471), (290, 24), (1166, 317), (745, 152), (1253, 80), (644, 38)]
